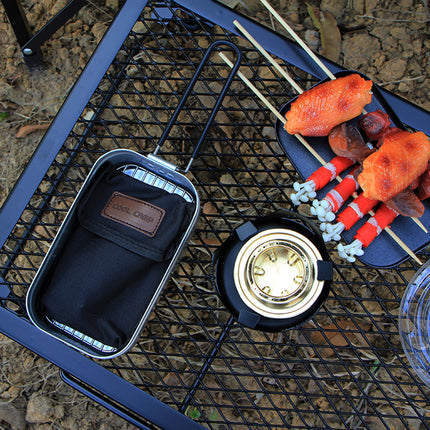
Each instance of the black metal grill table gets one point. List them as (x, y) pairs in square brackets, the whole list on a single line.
[(194, 365)]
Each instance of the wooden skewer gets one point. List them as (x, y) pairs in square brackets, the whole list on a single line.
[(275, 64), (295, 36), (420, 224), (287, 76), (302, 140), (402, 244), (317, 61), (281, 118)]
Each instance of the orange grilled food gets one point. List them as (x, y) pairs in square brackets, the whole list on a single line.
[(316, 111), (400, 160)]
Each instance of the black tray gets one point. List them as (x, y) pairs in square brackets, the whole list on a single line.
[(383, 251)]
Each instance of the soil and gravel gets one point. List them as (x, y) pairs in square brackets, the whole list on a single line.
[(387, 40)]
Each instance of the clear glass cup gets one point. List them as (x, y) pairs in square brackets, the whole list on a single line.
[(414, 323)]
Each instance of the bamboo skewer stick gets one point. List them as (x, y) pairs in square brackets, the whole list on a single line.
[(420, 224), (318, 62), (281, 118), (295, 36), (275, 64), (401, 244), (302, 140)]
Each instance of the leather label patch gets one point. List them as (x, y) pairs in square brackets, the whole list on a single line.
[(134, 213)]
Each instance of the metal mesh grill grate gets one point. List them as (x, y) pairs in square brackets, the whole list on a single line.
[(343, 369)]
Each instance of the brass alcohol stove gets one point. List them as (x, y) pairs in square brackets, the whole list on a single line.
[(274, 272)]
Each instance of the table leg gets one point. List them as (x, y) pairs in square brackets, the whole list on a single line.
[(29, 43)]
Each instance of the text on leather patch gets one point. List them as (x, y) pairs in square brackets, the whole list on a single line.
[(134, 213)]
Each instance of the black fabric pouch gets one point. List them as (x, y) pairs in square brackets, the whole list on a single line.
[(117, 251)]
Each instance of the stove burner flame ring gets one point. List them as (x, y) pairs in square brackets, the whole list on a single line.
[(273, 273)]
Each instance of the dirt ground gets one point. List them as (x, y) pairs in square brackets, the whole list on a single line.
[(387, 40)]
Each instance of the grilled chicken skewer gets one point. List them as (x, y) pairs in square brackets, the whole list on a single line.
[(303, 141), (252, 87)]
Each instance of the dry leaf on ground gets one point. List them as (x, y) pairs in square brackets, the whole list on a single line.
[(28, 129), (329, 31), (209, 209), (339, 334), (211, 242)]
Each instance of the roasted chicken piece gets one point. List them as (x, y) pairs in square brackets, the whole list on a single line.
[(316, 111), (401, 159)]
